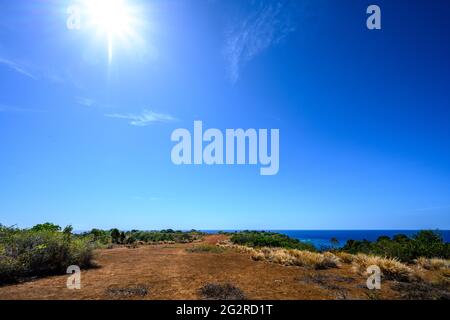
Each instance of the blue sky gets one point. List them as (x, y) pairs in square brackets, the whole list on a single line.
[(364, 116)]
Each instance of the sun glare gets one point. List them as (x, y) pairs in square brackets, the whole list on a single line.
[(112, 18)]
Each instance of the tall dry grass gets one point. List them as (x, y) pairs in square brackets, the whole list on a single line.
[(391, 269), (345, 257), (433, 263), (289, 257)]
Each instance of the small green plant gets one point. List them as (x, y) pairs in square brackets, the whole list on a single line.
[(206, 248)]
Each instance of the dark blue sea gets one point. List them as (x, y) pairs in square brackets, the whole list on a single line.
[(321, 238)]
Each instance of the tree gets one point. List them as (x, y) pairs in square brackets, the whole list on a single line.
[(383, 238), (428, 237), (334, 242), (68, 232), (115, 235), (46, 227), (401, 238), (122, 237), (130, 240)]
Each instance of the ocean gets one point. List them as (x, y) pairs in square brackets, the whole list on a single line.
[(321, 238)]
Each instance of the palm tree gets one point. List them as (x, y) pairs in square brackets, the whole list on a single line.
[(334, 242)]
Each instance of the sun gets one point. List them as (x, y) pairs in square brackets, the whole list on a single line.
[(113, 18)]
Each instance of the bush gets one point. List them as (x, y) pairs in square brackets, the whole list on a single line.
[(30, 253), (99, 236), (227, 291), (269, 239)]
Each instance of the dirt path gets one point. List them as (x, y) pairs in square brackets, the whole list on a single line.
[(171, 272)]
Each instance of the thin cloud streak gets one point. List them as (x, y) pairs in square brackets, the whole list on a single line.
[(91, 103), (267, 26), (144, 119), (85, 102), (17, 67), (40, 72)]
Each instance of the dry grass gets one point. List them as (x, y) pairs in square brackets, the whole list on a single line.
[(433, 264), (391, 269), (135, 291), (289, 257), (227, 291), (421, 291), (345, 257), (441, 278)]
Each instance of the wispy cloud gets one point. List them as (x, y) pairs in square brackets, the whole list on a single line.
[(86, 102), (38, 71), (17, 67), (143, 119), (91, 103), (266, 26)]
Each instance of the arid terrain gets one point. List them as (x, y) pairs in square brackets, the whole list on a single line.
[(170, 271)]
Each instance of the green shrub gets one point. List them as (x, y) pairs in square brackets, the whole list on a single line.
[(205, 248), (269, 239), (30, 253), (115, 235), (428, 244)]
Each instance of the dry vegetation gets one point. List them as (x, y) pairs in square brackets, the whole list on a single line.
[(391, 268), (216, 291), (290, 257), (205, 248), (433, 264)]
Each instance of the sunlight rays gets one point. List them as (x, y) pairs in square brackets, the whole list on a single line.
[(117, 20)]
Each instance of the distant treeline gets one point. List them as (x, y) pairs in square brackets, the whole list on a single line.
[(426, 243), (115, 236)]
